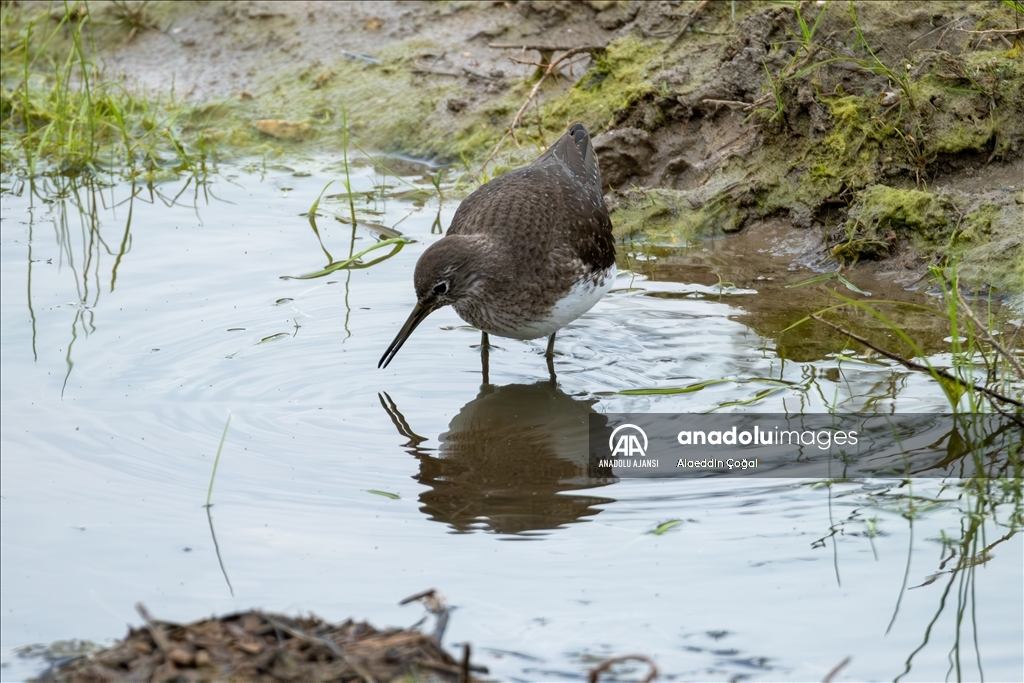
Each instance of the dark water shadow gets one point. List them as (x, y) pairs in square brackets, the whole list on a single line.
[(508, 462)]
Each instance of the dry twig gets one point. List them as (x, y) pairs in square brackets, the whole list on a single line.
[(595, 674), (836, 669), (155, 629), (987, 337), (533, 93), (1006, 31), (420, 68), (541, 48), (687, 23), (732, 104)]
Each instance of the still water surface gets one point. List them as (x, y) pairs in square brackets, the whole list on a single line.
[(132, 324)]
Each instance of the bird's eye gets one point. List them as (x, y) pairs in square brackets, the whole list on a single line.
[(441, 288)]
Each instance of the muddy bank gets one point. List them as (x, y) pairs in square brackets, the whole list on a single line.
[(894, 131)]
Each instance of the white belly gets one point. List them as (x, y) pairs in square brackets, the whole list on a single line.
[(580, 299)]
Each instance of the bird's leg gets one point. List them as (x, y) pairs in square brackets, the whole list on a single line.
[(549, 356), (485, 347)]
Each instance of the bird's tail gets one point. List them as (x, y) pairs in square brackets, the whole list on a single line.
[(576, 153)]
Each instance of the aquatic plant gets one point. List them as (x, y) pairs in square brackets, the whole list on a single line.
[(60, 115)]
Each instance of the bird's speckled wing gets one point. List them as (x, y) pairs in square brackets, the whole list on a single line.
[(556, 199)]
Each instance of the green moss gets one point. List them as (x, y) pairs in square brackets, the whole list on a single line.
[(383, 116), (374, 99), (913, 210), (985, 238), (978, 224), (821, 171), (989, 246), (675, 212), (639, 212), (856, 145), (884, 215), (617, 79), (970, 99)]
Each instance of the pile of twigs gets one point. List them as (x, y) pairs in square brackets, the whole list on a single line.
[(257, 646)]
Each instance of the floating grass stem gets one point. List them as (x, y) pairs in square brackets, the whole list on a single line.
[(216, 460), (665, 527), (353, 262), (829, 276), (689, 389)]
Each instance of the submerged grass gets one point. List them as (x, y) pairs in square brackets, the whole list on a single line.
[(59, 115)]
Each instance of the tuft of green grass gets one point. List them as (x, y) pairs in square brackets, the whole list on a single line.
[(807, 33), (61, 116), (875, 65)]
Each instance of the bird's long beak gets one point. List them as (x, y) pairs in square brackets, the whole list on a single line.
[(419, 313)]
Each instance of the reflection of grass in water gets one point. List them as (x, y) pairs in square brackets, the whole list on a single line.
[(984, 376), (208, 505), (62, 117), (985, 500), (76, 206), (985, 503)]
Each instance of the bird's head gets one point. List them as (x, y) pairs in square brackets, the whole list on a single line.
[(447, 272)]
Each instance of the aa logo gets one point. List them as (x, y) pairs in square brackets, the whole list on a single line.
[(628, 444)]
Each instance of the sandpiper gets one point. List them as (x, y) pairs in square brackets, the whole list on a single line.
[(526, 253)]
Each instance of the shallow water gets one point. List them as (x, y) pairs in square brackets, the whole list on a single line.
[(132, 325)]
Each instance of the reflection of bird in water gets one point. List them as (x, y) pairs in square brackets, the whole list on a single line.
[(507, 460), (526, 254)]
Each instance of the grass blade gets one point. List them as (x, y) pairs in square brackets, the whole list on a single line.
[(353, 263), (216, 460)]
